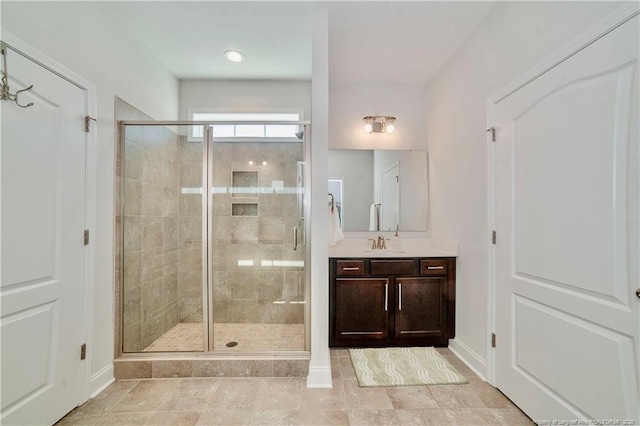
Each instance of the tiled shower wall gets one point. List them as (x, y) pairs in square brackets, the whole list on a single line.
[(190, 231), (151, 249), (250, 282)]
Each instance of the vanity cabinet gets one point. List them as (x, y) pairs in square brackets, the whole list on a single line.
[(391, 302)]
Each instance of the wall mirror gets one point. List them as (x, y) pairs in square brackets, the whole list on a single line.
[(379, 190)]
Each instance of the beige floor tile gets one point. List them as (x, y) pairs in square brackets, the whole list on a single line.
[(279, 394), (324, 399), (105, 400), (283, 400), (455, 396), (78, 421), (145, 396), (276, 417), (511, 417), (372, 398), (189, 337), (346, 368), (491, 396), (373, 417), (177, 418), (340, 353), (461, 366), (335, 368), (472, 417), (124, 419), (324, 417), (411, 397), (226, 417), (432, 417), (235, 394), (190, 395)]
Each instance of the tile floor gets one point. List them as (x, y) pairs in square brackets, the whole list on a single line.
[(258, 401), (187, 337)]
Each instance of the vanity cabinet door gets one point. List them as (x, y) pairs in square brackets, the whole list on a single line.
[(361, 309), (421, 307)]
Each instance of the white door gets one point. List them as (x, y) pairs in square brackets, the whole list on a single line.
[(390, 199), (567, 236), (43, 202)]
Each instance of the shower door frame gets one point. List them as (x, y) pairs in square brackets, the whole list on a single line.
[(303, 205)]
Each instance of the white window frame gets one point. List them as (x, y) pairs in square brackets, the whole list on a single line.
[(194, 138)]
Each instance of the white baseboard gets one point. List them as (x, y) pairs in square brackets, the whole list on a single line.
[(319, 377), (474, 361), (101, 379)]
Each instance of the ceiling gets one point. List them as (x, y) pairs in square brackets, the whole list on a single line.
[(400, 42)]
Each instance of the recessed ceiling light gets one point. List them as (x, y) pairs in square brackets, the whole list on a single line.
[(233, 56)]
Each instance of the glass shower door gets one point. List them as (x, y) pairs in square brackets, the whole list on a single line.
[(162, 246), (257, 291)]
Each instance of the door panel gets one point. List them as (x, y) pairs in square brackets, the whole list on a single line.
[(362, 306), (421, 309), (566, 211), (43, 204)]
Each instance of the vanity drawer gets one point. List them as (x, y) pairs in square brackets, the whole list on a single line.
[(349, 268), (391, 267), (433, 267)]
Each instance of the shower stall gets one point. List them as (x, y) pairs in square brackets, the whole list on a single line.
[(212, 250)]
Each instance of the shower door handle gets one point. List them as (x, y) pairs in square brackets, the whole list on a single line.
[(295, 238)]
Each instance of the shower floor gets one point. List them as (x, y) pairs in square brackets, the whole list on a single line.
[(187, 337)]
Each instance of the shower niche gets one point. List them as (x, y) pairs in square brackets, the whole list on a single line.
[(207, 257)]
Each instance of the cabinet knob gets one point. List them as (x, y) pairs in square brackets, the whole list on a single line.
[(638, 293)]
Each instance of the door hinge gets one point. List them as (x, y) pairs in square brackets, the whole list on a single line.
[(493, 340), (86, 237), (87, 123), (493, 237), (83, 351), (493, 133)]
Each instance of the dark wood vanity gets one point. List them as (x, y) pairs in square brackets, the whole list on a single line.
[(376, 302)]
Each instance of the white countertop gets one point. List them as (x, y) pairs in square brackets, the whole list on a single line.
[(408, 248)]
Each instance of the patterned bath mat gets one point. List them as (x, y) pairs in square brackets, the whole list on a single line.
[(403, 367)]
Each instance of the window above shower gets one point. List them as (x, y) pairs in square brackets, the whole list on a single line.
[(248, 126)]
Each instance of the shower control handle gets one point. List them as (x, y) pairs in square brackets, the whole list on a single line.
[(295, 238)]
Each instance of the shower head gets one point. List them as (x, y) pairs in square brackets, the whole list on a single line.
[(300, 134)]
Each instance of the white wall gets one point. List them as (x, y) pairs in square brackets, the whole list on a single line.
[(514, 37), (245, 95), (82, 37), (349, 102)]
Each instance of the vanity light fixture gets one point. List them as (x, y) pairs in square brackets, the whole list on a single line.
[(379, 124), (233, 56)]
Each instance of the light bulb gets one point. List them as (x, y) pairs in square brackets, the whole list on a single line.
[(251, 162), (233, 56), (389, 128), (264, 163), (368, 127)]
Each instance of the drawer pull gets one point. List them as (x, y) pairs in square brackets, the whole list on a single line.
[(351, 268), (399, 296), (435, 267), (386, 296)]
